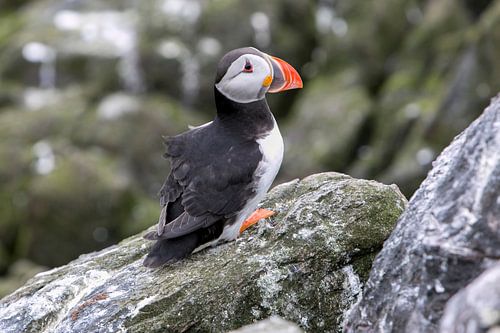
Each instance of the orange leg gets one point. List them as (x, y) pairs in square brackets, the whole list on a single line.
[(255, 217)]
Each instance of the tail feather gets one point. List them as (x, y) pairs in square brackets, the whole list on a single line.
[(168, 251)]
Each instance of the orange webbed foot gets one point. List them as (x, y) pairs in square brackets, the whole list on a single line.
[(255, 217)]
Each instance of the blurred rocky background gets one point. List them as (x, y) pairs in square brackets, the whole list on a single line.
[(87, 88)]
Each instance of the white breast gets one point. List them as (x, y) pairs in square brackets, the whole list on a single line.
[(271, 147)]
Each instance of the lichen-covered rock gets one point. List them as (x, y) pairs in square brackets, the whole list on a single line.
[(476, 308), (273, 324), (448, 235), (306, 264)]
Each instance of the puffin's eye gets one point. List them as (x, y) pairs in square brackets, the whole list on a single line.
[(248, 67)]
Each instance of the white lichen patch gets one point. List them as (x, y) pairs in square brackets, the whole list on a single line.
[(351, 290), (352, 281), (141, 304), (438, 286), (107, 252), (305, 233), (270, 287), (49, 272), (256, 313), (43, 303)]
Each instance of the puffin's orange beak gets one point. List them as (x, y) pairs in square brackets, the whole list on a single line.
[(285, 76)]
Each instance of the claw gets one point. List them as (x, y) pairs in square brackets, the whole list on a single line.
[(255, 217)]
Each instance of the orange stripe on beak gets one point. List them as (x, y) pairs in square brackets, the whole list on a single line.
[(285, 76)]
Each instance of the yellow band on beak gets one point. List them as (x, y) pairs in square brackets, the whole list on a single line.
[(267, 81)]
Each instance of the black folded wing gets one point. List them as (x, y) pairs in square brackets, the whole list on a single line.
[(211, 175)]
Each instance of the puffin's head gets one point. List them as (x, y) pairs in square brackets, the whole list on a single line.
[(245, 75)]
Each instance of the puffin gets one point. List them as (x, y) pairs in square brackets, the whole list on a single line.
[(220, 171)]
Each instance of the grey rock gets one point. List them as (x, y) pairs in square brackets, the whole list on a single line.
[(476, 308), (271, 325), (448, 235), (306, 264)]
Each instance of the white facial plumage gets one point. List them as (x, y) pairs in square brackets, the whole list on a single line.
[(245, 86)]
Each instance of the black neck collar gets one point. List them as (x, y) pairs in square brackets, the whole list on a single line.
[(252, 119)]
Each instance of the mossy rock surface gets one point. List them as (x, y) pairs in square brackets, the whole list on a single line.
[(307, 264)]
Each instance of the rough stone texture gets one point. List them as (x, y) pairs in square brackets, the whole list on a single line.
[(476, 308), (271, 325), (449, 234), (305, 265)]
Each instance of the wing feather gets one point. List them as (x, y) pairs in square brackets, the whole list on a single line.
[(211, 176)]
